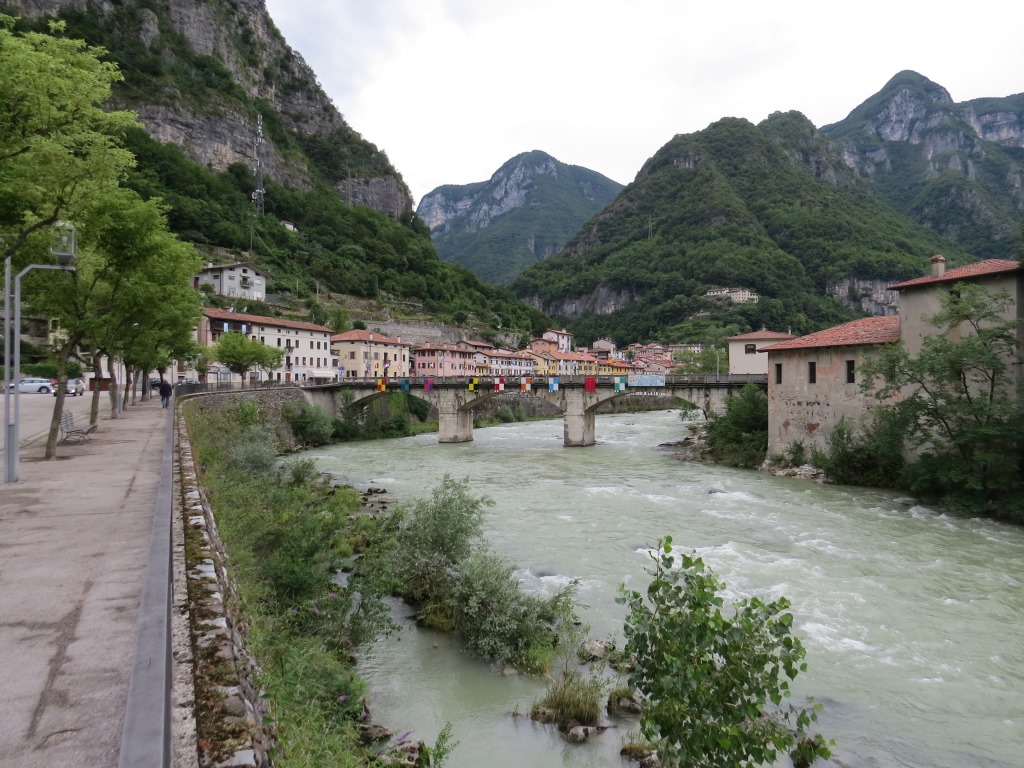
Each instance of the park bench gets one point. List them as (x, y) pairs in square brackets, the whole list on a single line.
[(69, 432)]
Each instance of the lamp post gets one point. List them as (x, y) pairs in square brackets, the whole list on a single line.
[(65, 254)]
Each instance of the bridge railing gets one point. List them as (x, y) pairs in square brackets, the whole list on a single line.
[(514, 382)]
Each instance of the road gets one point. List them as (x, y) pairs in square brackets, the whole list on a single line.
[(36, 411)]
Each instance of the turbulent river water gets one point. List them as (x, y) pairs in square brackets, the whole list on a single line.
[(913, 620)]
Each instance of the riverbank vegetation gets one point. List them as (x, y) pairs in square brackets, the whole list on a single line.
[(287, 534), (314, 569)]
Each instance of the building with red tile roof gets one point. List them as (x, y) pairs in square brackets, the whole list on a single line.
[(368, 354), (306, 347), (743, 349), (813, 382)]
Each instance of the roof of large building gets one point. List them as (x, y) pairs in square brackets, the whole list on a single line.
[(762, 335), (277, 322), (867, 330), (977, 269), (357, 334)]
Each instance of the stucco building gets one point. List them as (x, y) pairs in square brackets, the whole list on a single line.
[(920, 298), (239, 280), (813, 381), (306, 346), (744, 349), (366, 354)]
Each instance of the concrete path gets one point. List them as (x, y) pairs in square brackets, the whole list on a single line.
[(74, 546)]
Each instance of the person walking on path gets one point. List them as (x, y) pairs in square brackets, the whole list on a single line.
[(165, 392)]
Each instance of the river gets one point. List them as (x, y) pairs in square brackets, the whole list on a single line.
[(913, 620)]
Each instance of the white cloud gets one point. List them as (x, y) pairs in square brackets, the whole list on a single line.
[(451, 89)]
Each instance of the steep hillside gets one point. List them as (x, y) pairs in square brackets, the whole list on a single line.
[(956, 168), (200, 73), (772, 208), (525, 213), (336, 216)]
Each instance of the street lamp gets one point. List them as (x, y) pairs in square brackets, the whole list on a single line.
[(65, 253)]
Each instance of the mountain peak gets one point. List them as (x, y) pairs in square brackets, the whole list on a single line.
[(524, 213)]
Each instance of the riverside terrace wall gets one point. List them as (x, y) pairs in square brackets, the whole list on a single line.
[(213, 671)]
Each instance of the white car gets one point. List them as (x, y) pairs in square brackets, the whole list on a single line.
[(34, 384)]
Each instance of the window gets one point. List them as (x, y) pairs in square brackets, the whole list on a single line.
[(850, 369), (352, 355), (749, 349), (778, 373), (812, 373)]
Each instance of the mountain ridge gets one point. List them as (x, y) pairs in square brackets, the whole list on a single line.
[(525, 212)]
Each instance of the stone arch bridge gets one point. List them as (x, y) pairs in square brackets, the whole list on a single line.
[(574, 396)]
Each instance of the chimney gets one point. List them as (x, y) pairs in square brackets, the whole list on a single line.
[(938, 265), (209, 265)]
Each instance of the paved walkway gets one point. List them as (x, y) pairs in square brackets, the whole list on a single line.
[(74, 545)]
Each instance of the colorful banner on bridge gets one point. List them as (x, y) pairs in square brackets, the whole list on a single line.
[(474, 384), (553, 384), (499, 385), (382, 385), (620, 383), (646, 380), (428, 385), (405, 385), (525, 384), (590, 384)]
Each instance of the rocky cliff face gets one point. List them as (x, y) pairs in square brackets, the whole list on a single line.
[(870, 296), (216, 130), (523, 214), (954, 167)]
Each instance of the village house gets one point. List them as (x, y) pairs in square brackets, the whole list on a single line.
[(430, 360), (504, 363), (813, 381), (307, 358), (562, 339), (743, 351), (240, 280), (368, 354), (919, 298), (735, 295)]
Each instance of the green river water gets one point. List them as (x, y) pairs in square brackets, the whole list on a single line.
[(913, 620)]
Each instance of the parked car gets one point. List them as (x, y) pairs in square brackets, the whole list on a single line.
[(35, 384), (74, 387)]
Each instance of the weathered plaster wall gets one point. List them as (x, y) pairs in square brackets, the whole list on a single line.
[(801, 411)]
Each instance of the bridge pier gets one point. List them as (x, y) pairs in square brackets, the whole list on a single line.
[(454, 425), (578, 428)]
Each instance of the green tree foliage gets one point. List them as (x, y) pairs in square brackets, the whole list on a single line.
[(241, 354), (872, 456), (715, 683), (962, 401), (58, 147), (439, 532), (740, 438)]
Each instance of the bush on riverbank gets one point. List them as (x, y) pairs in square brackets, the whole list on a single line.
[(740, 437)]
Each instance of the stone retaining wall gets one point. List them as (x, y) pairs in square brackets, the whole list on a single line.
[(213, 670)]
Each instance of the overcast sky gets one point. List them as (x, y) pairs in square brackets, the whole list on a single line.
[(451, 89)]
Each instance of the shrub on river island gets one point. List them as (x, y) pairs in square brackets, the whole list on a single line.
[(458, 584), (713, 683)]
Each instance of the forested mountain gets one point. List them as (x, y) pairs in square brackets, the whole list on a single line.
[(957, 168), (219, 93), (523, 214), (770, 207)]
